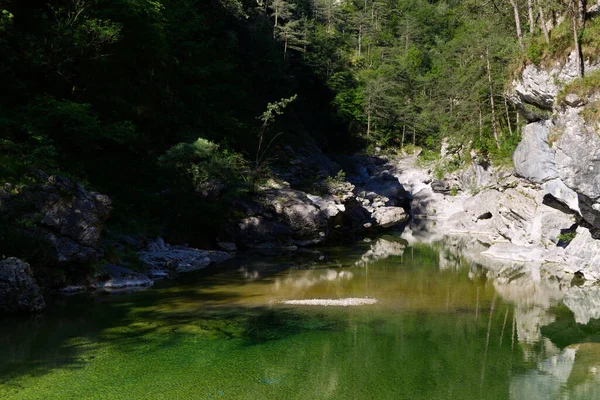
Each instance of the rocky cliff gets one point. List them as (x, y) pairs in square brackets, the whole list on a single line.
[(544, 214)]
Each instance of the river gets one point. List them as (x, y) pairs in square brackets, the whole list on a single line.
[(439, 328)]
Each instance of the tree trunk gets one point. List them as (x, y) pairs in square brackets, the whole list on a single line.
[(531, 19), (480, 124), (276, 21), (582, 12), (544, 27), (489, 73), (518, 23), (510, 132), (579, 58), (285, 44), (403, 133), (359, 39), (414, 136), (368, 123)]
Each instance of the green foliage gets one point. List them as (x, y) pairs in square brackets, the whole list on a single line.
[(567, 237), (203, 167), (584, 87)]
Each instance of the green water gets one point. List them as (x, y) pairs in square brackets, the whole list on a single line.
[(437, 332)]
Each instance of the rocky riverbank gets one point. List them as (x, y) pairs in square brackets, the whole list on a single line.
[(70, 222)]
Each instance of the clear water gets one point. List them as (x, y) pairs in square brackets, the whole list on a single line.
[(441, 330)]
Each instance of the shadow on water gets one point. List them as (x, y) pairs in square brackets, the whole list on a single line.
[(66, 336)]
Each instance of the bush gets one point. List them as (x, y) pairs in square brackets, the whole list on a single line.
[(203, 168)]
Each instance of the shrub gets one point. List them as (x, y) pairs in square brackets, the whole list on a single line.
[(202, 167)]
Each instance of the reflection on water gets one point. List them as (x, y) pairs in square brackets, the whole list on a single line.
[(443, 327)]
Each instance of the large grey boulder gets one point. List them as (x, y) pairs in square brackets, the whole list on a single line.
[(533, 158), (386, 217), (18, 290)]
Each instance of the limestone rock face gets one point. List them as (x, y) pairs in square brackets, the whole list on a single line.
[(583, 254), (578, 154), (537, 86), (18, 290), (533, 158), (518, 216)]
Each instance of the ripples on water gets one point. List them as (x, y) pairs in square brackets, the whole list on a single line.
[(441, 329)]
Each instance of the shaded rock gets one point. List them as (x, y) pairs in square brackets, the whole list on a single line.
[(18, 290), (159, 256), (533, 158), (227, 246), (284, 217), (386, 185), (65, 214)]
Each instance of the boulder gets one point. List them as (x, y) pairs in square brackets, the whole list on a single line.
[(533, 158), (386, 217), (18, 290)]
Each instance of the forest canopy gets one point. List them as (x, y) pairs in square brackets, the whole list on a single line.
[(111, 92)]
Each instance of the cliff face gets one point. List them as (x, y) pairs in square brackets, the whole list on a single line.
[(547, 217), (563, 147)]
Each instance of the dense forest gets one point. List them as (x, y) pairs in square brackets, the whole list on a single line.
[(160, 103)]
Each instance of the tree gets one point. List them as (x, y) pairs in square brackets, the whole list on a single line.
[(281, 10), (291, 34)]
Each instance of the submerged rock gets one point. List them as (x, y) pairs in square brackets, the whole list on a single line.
[(114, 277), (18, 290)]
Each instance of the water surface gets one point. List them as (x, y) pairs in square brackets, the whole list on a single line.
[(440, 330)]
